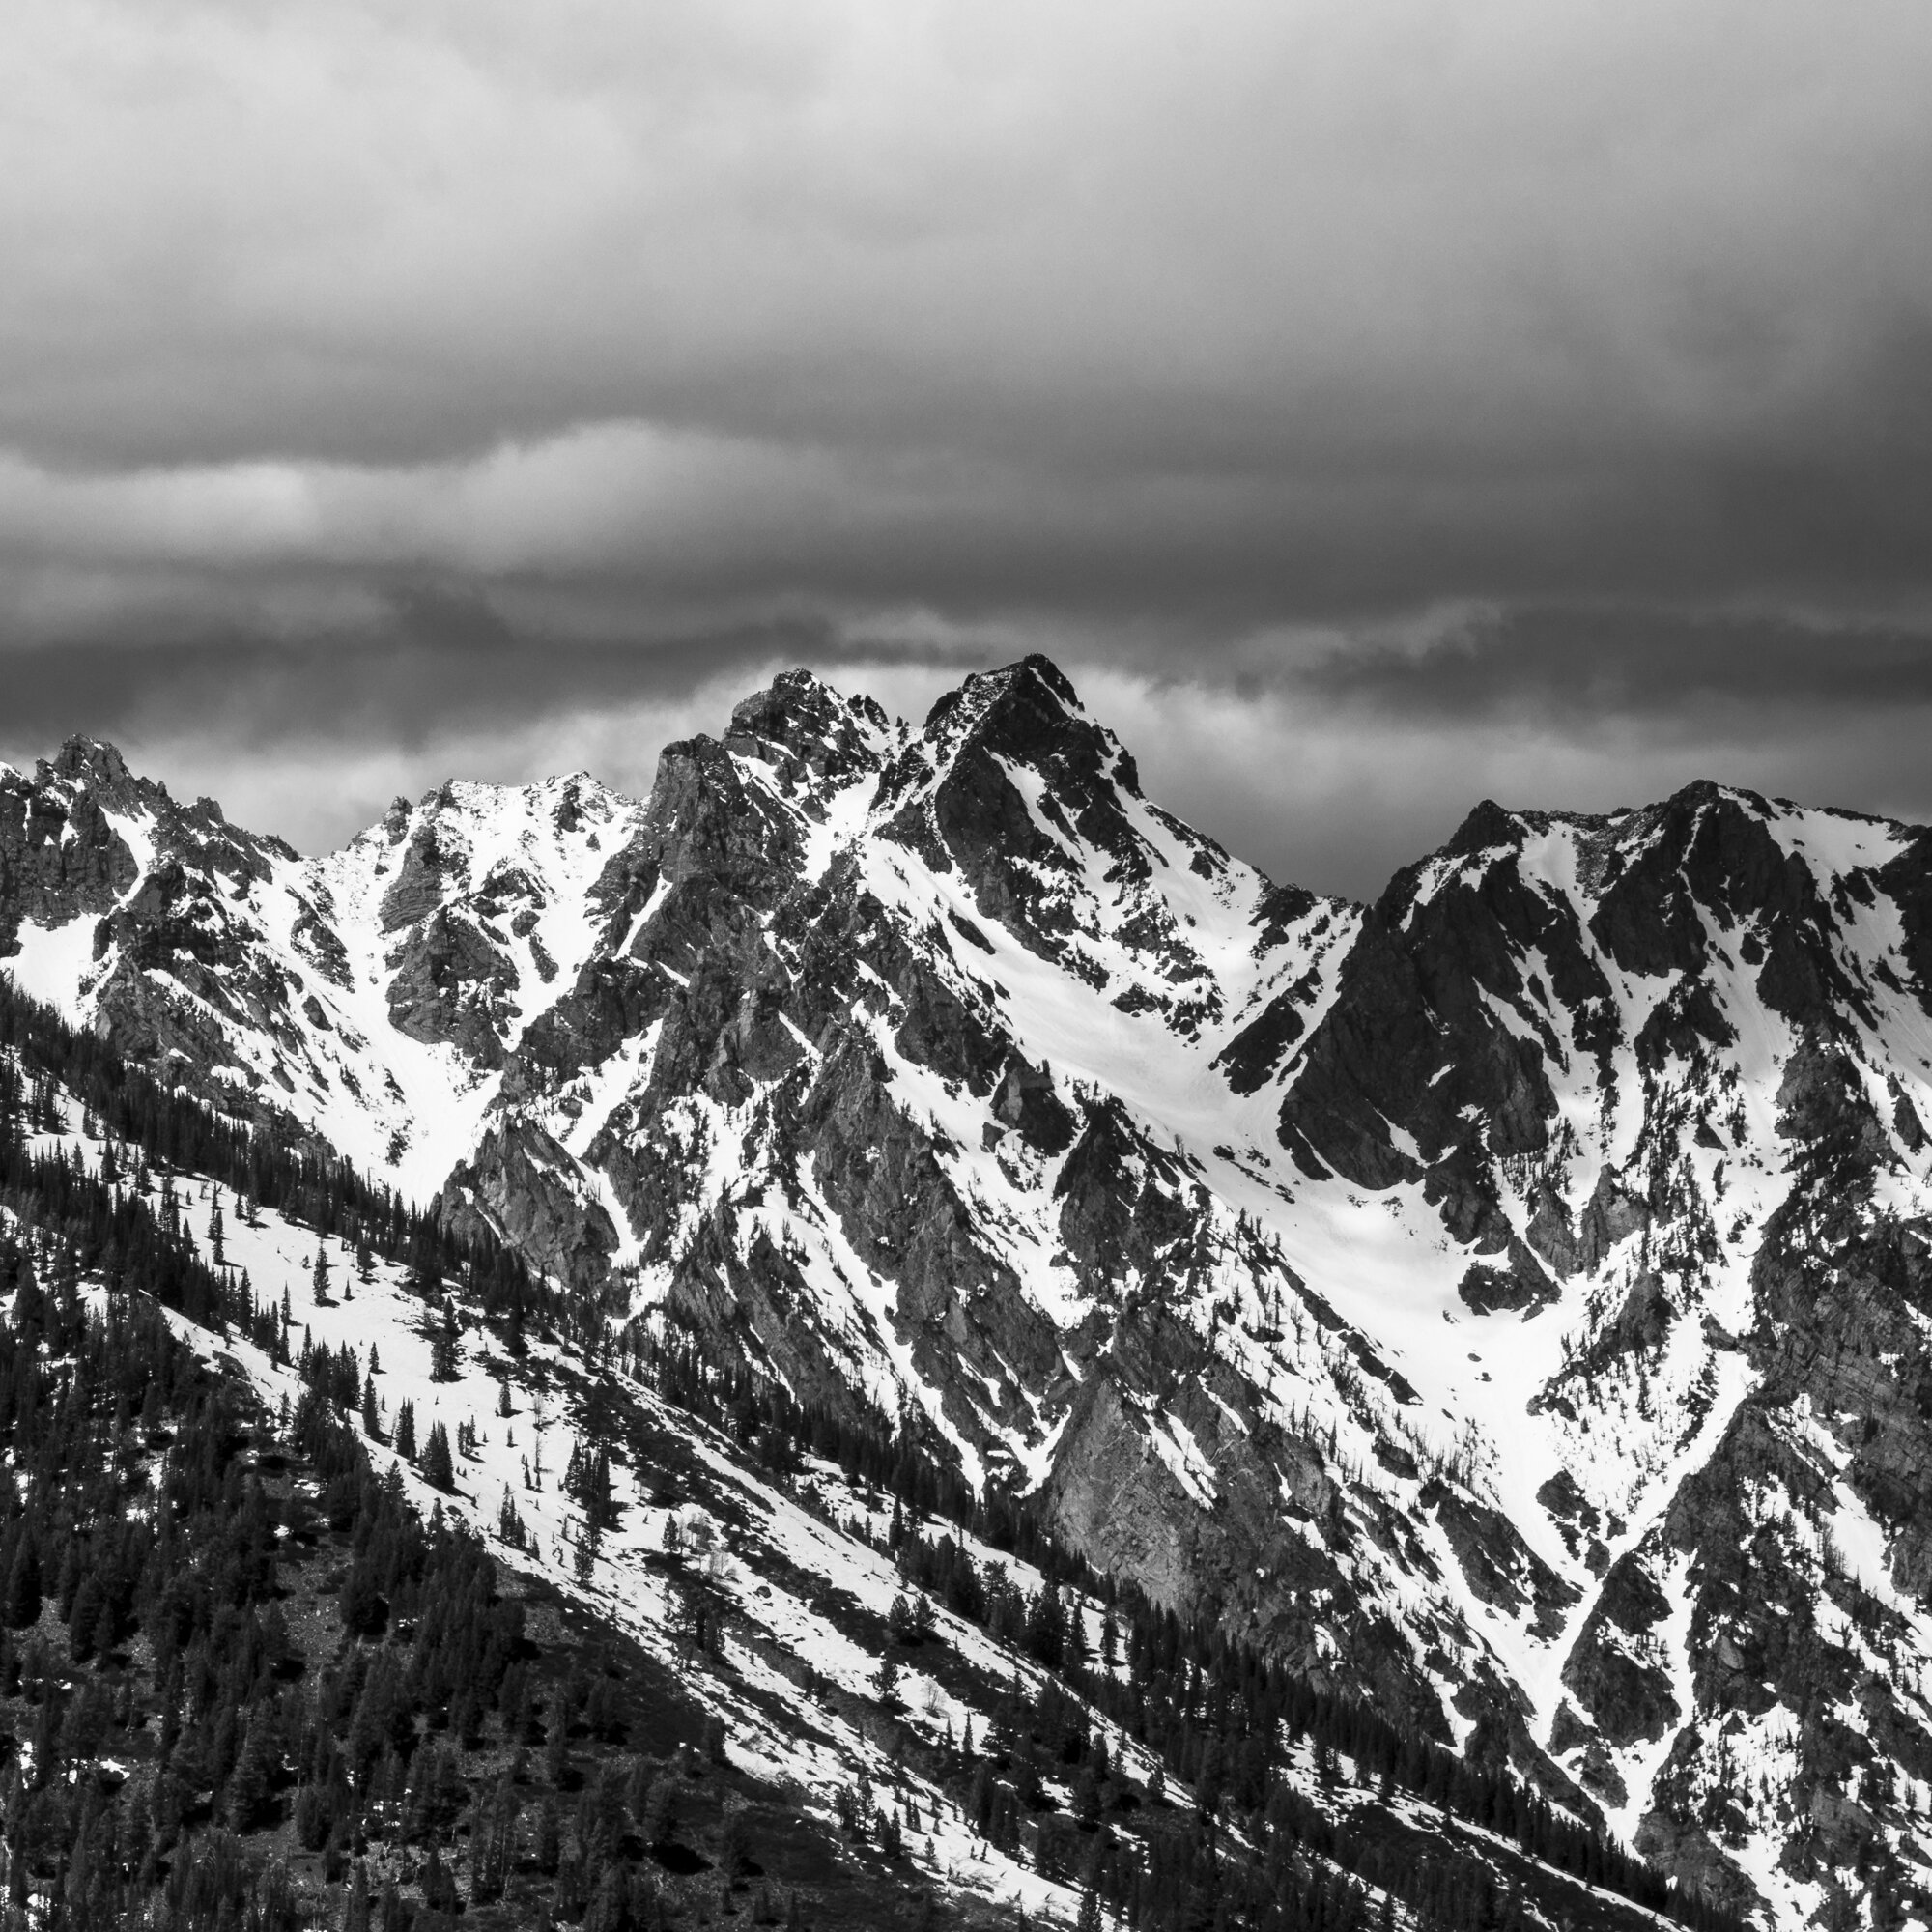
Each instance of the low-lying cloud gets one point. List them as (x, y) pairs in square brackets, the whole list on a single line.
[(1324, 758)]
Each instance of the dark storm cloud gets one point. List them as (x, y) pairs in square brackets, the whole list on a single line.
[(1359, 752), (447, 664), (1544, 386), (1568, 666), (1038, 303), (1327, 756)]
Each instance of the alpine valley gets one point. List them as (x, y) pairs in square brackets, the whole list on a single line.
[(969, 1355)]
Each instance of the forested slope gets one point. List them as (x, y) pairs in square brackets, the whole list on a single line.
[(276, 1649)]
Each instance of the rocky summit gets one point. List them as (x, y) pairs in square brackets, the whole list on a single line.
[(1507, 1303)]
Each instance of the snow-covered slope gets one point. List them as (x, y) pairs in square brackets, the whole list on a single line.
[(773, 1590), (1508, 1299), (370, 998)]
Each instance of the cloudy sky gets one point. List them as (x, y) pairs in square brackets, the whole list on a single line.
[(1372, 404)]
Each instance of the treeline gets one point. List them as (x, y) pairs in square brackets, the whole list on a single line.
[(174, 1750), (149, 1517), (128, 1513), (168, 1744), (1220, 1716), (779, 1430), (159, 1127), (146, 1512)]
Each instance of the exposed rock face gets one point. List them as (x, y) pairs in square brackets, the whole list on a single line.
[(60, 855), (523, 1184), (1510, 1299), (298, 992)]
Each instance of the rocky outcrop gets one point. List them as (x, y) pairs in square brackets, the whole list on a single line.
[(452, 985), (523, 1185)]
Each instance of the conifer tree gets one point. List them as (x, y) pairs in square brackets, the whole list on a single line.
[(734, 1845), (443, 1350), (510, 1522), (355, 1914), (586, 1482), (659, 1821), (437, 1467), (22, 1605), (557, 1745)]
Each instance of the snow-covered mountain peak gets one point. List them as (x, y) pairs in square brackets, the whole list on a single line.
[(1032, 688), (1017, 803), (95, 763), (462, 836), (1460, 1294), (1027, 714), (811, 732)]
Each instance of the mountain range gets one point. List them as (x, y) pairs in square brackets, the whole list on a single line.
[(1505, 1304)]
